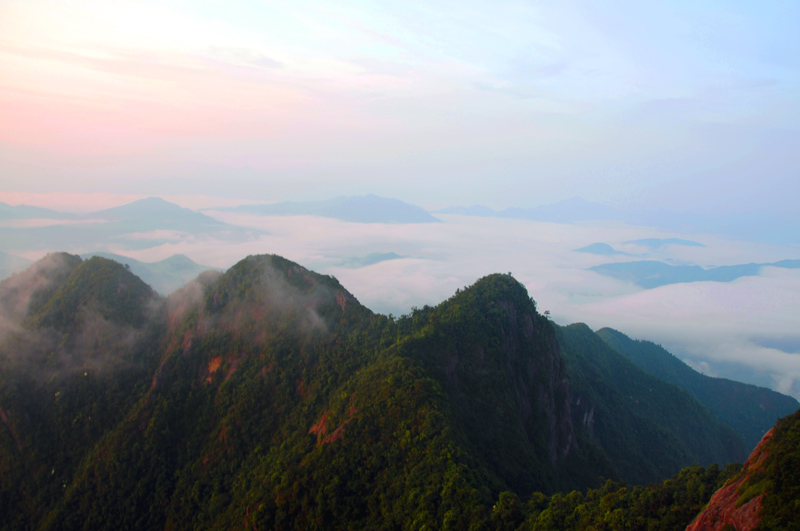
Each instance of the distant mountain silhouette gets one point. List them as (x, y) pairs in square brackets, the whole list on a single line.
[(602, 249), (164, 276), (154, 213), (652, 274), (137, 225), (31, 212), (356, 262), (359, 209)]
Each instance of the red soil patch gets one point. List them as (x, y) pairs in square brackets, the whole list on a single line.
[(213, 366), (335, 435), (321, 427), (342, 300)]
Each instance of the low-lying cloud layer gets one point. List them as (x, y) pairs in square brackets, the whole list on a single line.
[(727, 329)]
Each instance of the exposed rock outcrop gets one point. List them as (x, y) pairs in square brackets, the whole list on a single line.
[(727, 509)]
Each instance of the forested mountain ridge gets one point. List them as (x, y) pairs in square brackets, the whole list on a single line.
[(77, 344), (748, 409), (614, 400), (269, 397)]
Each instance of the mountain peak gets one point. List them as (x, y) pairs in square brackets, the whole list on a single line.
[(146, 206)]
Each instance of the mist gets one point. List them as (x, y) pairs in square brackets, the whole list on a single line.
[(683, 115), (46, 352)]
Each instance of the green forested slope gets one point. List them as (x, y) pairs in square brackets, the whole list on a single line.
[(748, 409), (72, 363), (648, 428), (268, 397)]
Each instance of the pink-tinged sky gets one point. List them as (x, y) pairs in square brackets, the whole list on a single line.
[(508, 104)]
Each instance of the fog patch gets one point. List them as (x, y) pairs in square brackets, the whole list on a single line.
[(253, 309), (23, 291), (700, 321), (788, 344), (95, 345), (285, 297), (191, 296), (45, 354)]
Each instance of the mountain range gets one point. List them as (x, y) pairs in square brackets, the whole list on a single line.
[(748, 409), (358, 209), (267, 396), (652, 274), (164, 276), (140, 224)]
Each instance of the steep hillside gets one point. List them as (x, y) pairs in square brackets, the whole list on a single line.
[(766, 494), (268, 397), (648, 428), (286, 414), (748, 409), (500, 366), (72, 363)]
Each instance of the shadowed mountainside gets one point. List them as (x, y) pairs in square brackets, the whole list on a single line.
[(748, 409)]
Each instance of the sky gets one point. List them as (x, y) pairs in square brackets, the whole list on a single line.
[(691, 107), (684, 105)]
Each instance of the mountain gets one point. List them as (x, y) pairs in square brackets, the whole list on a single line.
[(140, 224), (358, 209), (164, 276), (73, 358), (602, 249), (652, 274), (765, 494), (748, 409), (9, 212), (268, 397), (154, 213), (647, 427), (356, 262)]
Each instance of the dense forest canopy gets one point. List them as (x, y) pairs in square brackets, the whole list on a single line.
[(269, 397)]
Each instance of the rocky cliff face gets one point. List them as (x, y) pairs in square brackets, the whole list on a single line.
[(728, 507), (767, 493)]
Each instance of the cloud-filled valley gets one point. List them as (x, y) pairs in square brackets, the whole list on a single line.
[(735, 329)]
